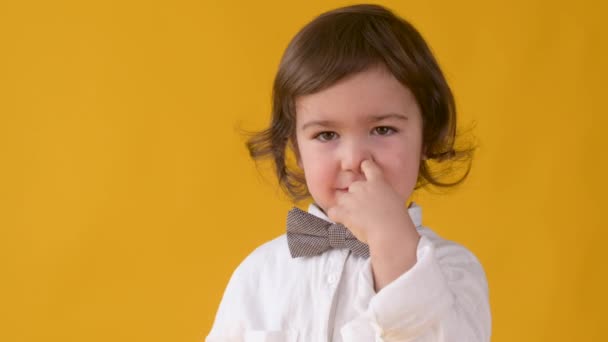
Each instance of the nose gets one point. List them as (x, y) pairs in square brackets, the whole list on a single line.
[(353, 152)]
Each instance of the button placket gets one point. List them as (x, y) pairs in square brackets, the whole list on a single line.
[(335, 268)]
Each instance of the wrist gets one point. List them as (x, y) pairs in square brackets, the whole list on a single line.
[(396, 232), (396, 245), (393, 253)]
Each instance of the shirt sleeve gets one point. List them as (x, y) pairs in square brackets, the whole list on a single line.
[(442, 298)]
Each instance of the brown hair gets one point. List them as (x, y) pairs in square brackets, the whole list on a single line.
[(346, 41)]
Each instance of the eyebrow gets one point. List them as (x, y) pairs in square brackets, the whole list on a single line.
[(374, 118)]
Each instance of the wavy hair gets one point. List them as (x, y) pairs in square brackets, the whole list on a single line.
[(346, 41)]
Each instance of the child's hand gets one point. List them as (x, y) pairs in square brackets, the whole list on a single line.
[(375, 213), (371, 209)]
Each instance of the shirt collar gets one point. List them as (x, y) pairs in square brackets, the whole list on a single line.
[(414, 210)]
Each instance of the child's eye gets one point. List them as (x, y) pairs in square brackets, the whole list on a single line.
[(326, 136), (383, 130)]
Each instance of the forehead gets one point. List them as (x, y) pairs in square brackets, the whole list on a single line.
[(371, 92)]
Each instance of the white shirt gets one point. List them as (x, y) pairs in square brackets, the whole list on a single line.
[(330, 297)]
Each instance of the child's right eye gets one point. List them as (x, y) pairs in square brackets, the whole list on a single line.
[(326, 136)]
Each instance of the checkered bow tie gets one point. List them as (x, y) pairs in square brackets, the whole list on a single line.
[(309, 235)]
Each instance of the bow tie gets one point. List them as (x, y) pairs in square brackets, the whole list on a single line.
[(309, 235)]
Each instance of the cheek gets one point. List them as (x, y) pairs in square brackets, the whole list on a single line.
[(317, 167), (400, 166), (315, 164)]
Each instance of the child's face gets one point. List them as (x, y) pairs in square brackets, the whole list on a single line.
[(369, 115)]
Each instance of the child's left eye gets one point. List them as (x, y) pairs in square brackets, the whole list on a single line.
[(383, 130)]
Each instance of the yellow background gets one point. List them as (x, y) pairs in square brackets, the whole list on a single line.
[(127, 197)]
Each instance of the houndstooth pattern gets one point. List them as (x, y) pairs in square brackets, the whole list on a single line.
[(308, 235)]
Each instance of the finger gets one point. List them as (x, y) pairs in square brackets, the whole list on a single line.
[(342, 199), (355, 186), (371, 170)]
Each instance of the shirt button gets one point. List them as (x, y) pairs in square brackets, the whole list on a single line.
[(332, 279)]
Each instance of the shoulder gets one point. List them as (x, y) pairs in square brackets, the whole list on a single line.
[(446, 248), (269, 269), (269, 256), (270, 251), (454, 259), (246, 296)]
